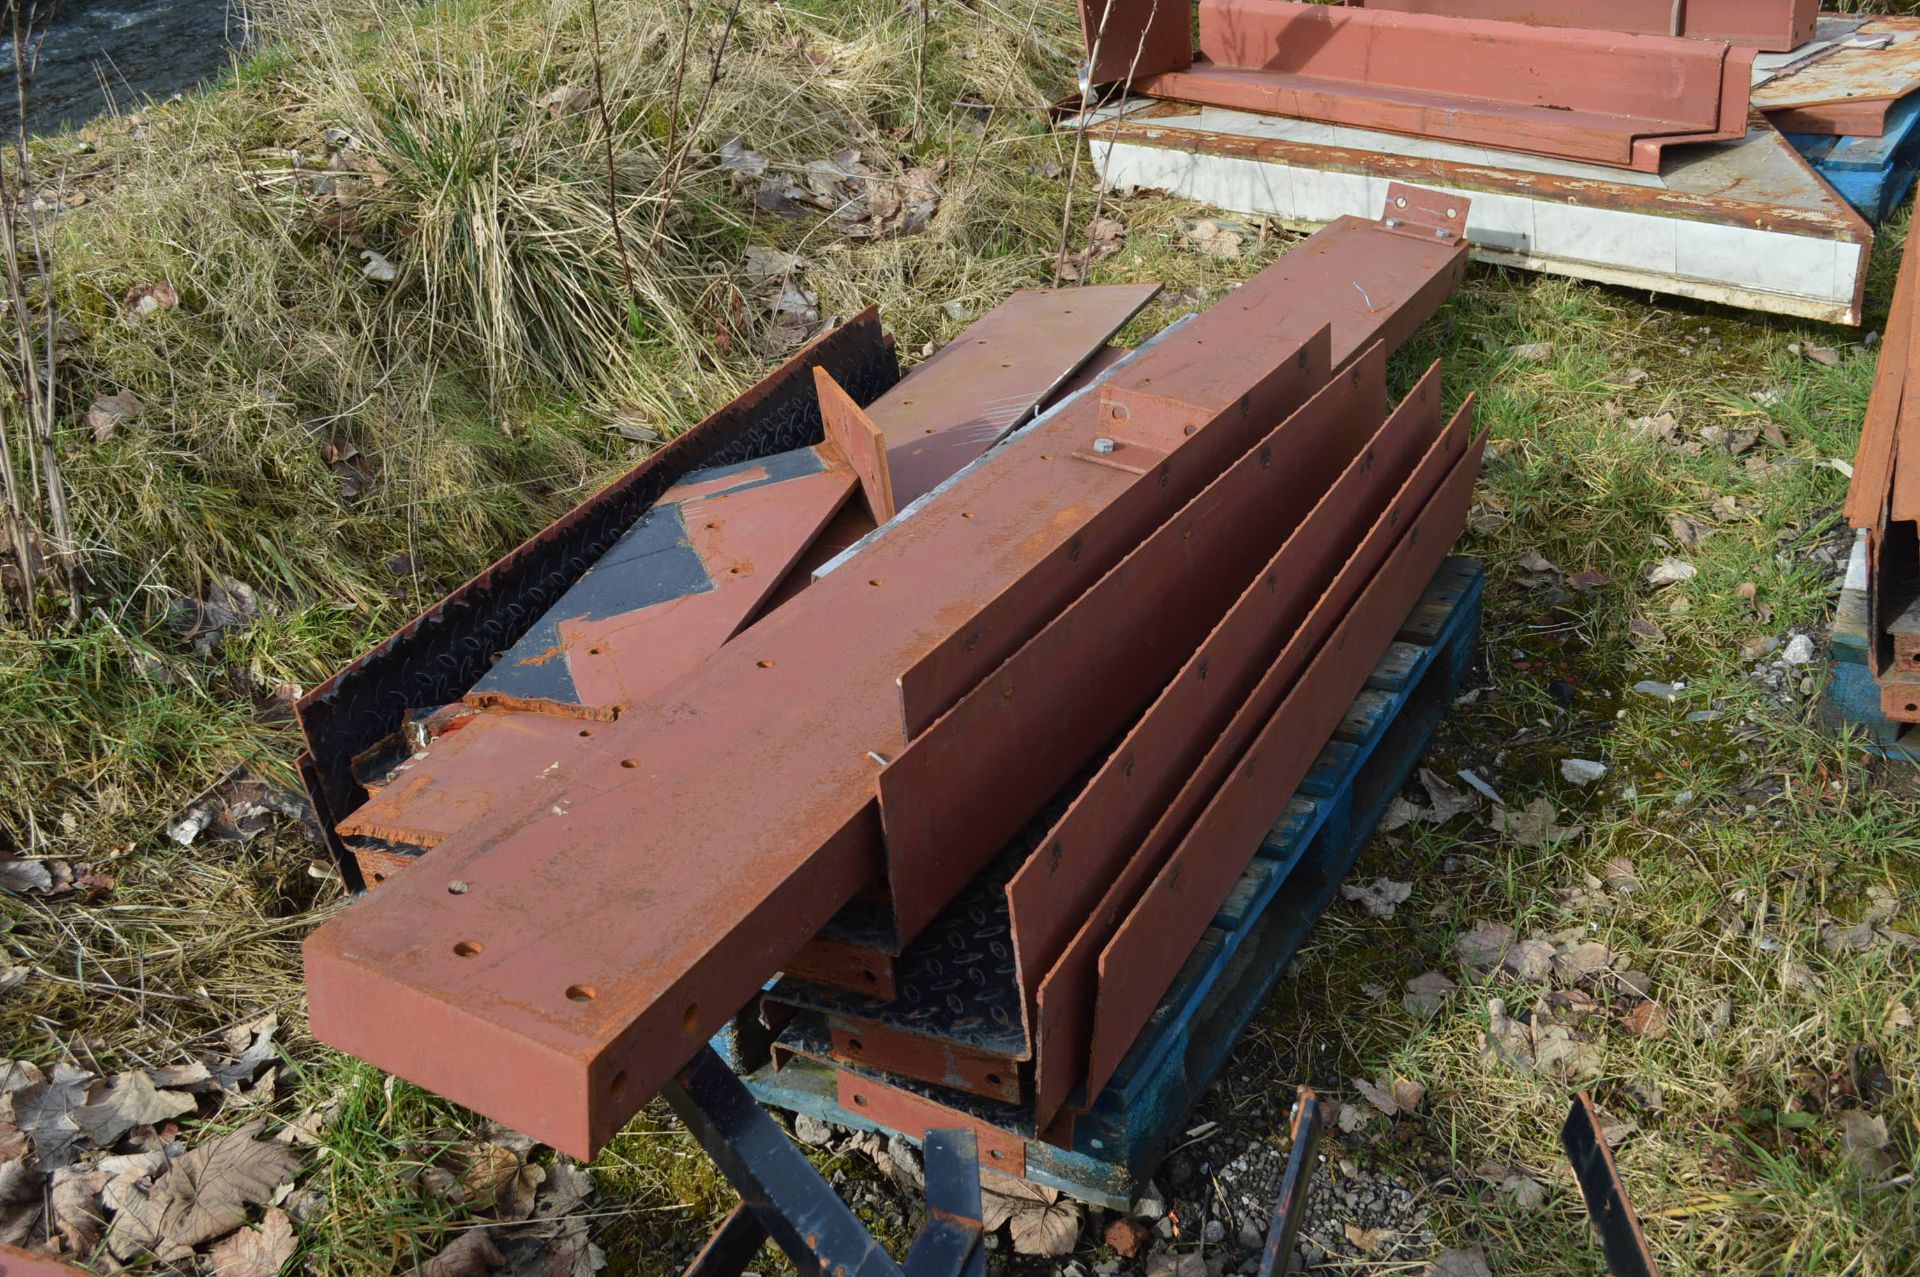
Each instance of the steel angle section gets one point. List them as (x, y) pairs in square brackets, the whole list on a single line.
[(1621, 1238), (1141, 960), (1586, 95), (1217, 424), (1185, 744), (1128, 40), (1359, 279), (1055, 892), (971, 781), (1873, 461), (1775, 26)]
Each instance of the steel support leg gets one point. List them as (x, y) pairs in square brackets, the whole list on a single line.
[(782, 1197), (1290, 1208)]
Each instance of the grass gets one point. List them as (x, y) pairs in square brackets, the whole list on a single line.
[(474, 388)]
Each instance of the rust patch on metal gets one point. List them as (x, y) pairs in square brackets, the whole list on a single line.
[(1774, 26)]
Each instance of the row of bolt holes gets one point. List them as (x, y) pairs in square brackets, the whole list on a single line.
[(587, 992)]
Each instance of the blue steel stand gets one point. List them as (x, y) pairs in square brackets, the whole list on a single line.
[(783, 1198)]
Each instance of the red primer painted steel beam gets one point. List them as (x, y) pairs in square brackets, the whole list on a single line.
[(1863, 117), (554, 967), (1331, 565), (1772, 26), (1087, 852), (914, 1115), (1128, 40), (1141, 960), (1381, 294), (968, 784), (1600, 97)]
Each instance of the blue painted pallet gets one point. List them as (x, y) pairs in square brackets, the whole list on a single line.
[(1871, 173), (1121, 1137), (1852, 696)]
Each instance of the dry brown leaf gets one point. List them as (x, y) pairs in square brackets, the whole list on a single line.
[(471, 1254), (1647, 1020), (1484, 946), (1576, 961), (1426, 992), (1459, 1263), (1051, 1229), (1447, 801), (1368, 1239), (108, 411), (255, 1252), (45, 1111), (132, 1100), (1380, 897), (145, 299), (202, 1195), (1534, 826)]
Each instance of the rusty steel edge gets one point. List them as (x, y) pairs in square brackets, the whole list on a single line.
[(1140, 962), (1771, 26), (1051, 898), (964, 788), (435, 658), (1065, 1006), (967, 784)]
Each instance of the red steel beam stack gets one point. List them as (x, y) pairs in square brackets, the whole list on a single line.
[(1598, 96), (1128, 624), (1884, 498)]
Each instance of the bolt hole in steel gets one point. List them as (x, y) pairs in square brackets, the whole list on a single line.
[(378, 879), (690, 1018), (875, 582), (995, 1154), (993, 1079), (619, 1084), (596, 651), (870, 977), (456, 888), (629, 763), (968, 514), (713, 527), (765, 665), (584, 732), (468, 948), (855, 1044), (859, 1101), (581, 993)]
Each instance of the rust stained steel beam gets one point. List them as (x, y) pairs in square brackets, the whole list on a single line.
[(993, 377), (1772, 26), (1600, 97), (439, 655), (967, 785), (1128, 40), (714, 552), (914, 1115), (1064, 903), (1140, 962), (553, 968), (1362, 297)]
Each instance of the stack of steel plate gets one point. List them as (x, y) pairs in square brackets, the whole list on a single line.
[(963, 699)]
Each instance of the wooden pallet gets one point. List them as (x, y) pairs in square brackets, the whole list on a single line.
[(1119, 1140), (1873, 174)]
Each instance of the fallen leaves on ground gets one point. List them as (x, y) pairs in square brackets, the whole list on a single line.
[(1211, 238), (1380, 897), (1483, 947), (1039, 1219), (27, 877), (109, 411), (255, 1252), (1391, 1095), (1532, 1042), (471, 1254), (145, 299), (202, 1195), (1459, 1263), (1426, 992), (1670, 571), (1534, 826), (859, 202), (238, 809)]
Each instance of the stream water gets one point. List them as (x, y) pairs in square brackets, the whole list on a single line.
[(92, 54)]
